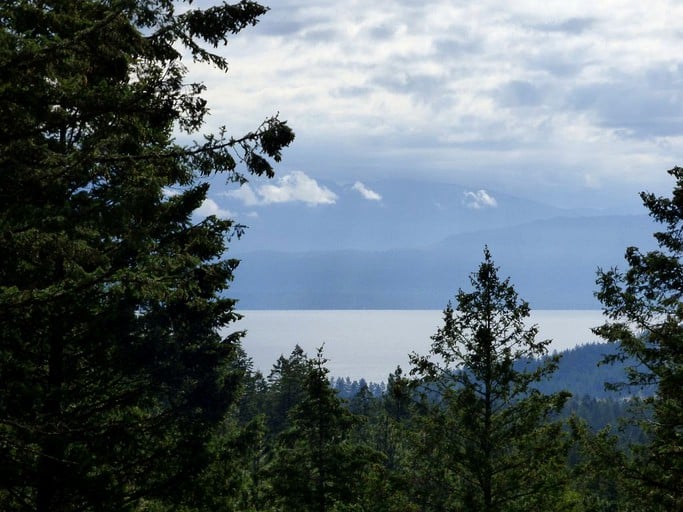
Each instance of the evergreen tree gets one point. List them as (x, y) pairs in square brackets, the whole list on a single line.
[(114, 374), (316, 466), (286, 383), (599, 484), (488, 439), (232, 481), (645, 312), (386, 429)]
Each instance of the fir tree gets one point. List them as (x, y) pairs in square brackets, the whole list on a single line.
[(316, 466), (487, 435), (390, 485), (645, 317), (286, 383), (114, 374)]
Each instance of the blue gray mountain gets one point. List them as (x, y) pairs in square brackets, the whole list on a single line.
[(416, 247)]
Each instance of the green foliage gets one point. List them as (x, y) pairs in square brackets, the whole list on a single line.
[(286, 388), (488, 443), (645, 314), (114, 374), (599, 482), (390, 452), (388, 429), (316, 466)]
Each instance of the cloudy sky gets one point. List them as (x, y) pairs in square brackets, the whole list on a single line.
[(578, 104)]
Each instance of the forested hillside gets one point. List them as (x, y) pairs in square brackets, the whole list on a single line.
[(581, 370), (358, 444), (587, 369)]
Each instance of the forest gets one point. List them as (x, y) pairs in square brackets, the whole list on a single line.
[(119, 392)]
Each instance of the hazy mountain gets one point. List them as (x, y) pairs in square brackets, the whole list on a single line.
[(552, 262), (408, 215), (582, 372)]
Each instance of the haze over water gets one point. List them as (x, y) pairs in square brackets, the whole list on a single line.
[(371, 343)]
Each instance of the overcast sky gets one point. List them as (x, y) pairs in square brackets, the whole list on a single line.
[(579, 104)]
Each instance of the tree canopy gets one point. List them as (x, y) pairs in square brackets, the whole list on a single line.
[(645, 318), (111, 292), (489, 437)]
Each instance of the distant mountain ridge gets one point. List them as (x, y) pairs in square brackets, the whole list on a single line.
[(580, 372), (551, 261), (410, 214)]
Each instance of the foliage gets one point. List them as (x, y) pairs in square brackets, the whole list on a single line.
[(286, 388), (389, 429), (316, 467), (114, 374), (487, 435), (598, 481), (645, 312)]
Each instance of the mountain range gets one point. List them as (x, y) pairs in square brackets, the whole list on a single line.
[(416, 246)]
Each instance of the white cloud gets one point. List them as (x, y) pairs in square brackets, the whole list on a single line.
[(479, 199), (484, 93), (368, 194), (245, 194), (210, 207), (207, 208), (293, 187)]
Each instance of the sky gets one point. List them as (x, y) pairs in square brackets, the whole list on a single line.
[(576, 104)]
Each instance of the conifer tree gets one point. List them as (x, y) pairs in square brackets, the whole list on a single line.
[(386, 429), (644, 307), (114, 374), (486, 434), (286, 383), (316, 466)]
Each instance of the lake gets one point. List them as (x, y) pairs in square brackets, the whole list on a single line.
[(371, 343)]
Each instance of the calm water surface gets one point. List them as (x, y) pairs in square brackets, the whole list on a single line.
[(371, 343)]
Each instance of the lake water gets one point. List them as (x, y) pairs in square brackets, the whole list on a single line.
[(371, 343)]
